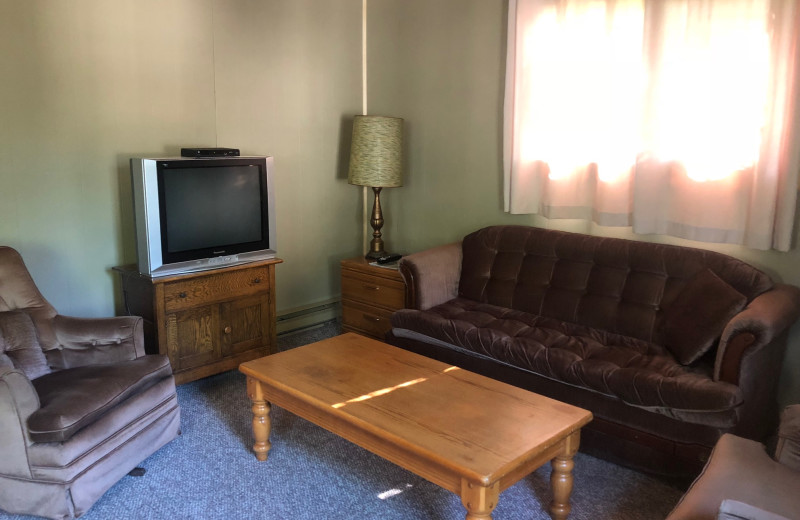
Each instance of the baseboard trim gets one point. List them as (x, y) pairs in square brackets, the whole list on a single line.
[(292, 320)]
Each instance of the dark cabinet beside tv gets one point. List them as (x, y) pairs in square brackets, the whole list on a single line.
[(206, 322)]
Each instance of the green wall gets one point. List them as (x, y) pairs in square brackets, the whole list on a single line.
[(288, 83), (87, 84), (440, 65)]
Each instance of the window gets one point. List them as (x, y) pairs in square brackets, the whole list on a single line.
[(671, 116)]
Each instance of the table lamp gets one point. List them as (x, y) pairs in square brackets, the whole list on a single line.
[(376, 161)]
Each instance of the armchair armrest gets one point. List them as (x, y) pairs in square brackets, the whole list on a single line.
[(787, 452), (88, 341), (18, 400), (432, 275), (735, 510), (763, 320)]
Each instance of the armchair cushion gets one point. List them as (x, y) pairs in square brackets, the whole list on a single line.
[(76, 397), (20, 345), (699, 314)]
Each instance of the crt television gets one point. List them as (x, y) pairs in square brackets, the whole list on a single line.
[(194, 214)]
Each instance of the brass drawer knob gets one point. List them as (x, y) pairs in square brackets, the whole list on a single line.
[(371, 287), (227, 330), (370, 317)]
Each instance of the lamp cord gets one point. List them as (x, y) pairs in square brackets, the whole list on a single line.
[(364, 194)]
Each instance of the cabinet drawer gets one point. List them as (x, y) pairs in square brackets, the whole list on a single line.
[(371, 320), (373, 290), (215, 288)]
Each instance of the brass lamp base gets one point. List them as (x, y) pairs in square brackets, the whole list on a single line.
[(376, 244)]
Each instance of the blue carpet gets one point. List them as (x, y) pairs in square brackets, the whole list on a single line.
[(210, 472)]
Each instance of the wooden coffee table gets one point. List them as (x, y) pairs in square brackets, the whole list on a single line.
[(467, 433)]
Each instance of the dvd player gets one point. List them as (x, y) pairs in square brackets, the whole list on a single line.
[(209, 152)]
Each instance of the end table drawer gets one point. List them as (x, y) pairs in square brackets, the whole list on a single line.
[(373, 321), (373, 290)]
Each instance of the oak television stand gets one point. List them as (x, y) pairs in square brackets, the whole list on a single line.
[(206, 322)]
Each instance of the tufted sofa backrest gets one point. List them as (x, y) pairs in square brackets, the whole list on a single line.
[(621, 286)]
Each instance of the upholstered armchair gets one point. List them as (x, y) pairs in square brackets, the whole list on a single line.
[(81, 404), (742, 482)]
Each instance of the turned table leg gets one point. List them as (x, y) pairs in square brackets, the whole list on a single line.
[(561, 478), (479, 500), (261, 422)]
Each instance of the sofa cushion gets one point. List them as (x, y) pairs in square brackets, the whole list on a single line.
[(638, 372), (76, 397), (19, 344), (697, 316)]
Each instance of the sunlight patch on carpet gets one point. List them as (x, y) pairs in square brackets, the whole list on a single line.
[(392, 492)]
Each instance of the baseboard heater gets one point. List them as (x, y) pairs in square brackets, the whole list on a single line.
[(293, 320)]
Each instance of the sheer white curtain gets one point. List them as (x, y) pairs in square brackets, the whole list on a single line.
[(671, 116)]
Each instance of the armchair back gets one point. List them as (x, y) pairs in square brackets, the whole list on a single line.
[(19, 292), (66, 341)]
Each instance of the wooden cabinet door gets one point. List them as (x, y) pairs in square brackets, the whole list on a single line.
[(245, 324), (193, 337)]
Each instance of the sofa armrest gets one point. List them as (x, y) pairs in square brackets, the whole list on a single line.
[(787, 451), (764, 319), (18, 400), (432, 275), (91, 341)]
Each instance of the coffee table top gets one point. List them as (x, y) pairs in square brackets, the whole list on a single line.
[(460, 422)]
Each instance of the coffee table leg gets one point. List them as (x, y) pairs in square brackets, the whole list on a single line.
[(561, 478), (479, 500), (261, 423)]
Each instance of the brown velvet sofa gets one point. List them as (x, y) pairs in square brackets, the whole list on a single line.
[(669, 347)]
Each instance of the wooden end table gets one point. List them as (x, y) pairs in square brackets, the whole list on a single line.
[(370, 295), (465, 432)]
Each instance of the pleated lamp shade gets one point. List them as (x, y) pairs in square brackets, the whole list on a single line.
[(376, 152)]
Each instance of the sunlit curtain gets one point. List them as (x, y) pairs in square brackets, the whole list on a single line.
[(674, 117)]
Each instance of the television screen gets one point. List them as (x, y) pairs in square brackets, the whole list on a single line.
[(211, 207)]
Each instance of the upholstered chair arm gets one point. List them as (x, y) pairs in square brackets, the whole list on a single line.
[(766, 317), (91, 341), (787, 451), (735, 510), (432, 275), (18, 400)]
